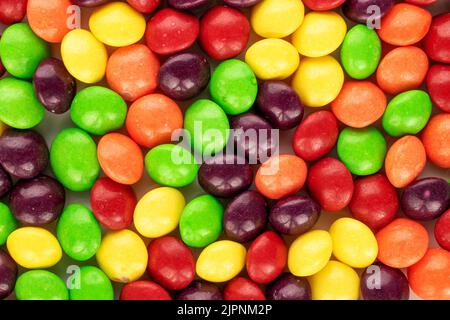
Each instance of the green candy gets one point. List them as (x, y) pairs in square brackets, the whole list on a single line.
[(19, 107), (93, 285), (21, 50), (361, 52), (98, 110), (73, 158), (407, 113), (362, 150), (171, 165), (40, 285), (7, 223), (208, 127), (201, 221), (234, 86), (78, 232)]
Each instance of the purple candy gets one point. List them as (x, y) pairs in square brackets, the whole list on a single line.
[(8, 274), (5, 182), (188, 4), (89, 3), (241, 3), (426, 199), (288, 287), (38, 201), (23, 153), (360, 10), (245, 216), (200, 290), (380, 282)]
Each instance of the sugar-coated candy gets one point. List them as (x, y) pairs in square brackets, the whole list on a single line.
[(8, 274), (242, 289), (5, 182), (289, 287), (93, 285), (241, 3), (437, 41), (322, 5), (361, 11), (441, 230), (89, 3), (380, 282), (436, 139), (438, 85), (144, 6), (188, 4), (40, 285), (200, 290), (144, 290), (7, 223), (12, 11)]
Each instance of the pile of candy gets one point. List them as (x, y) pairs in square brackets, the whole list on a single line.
[(232, 241)]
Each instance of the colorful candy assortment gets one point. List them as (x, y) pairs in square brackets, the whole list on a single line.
[(252, 232)]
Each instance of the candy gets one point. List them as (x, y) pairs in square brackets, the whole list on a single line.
[(277, 18), (5, 182), (380, 282), (93, 285), (429, 278), (441, 230), (201, 221), (233, 86), (438, 85), (37, 202), (289, 287), (402, 243), (318, 81), (242, 289), (200, 290), (402, 69), (84, 56), (19, 107), (122, 256), (366, 11), (294, 215), (272, 59), (120, 158), (407, 112), (23, 154), (8, 274), (7, 223), (322, 5), (437, 41), (374, 201), (362, 150), (187, 4), (34, 248), (40, 285), (144, 6), (241, 3), (113, 204), (55, 87), (405, 161), (158, 212), (78, 232), (221, 261), (171, 263), (152, 119), (331, 184), (310, 253), (12, 11), (421, 2), (73, 157), (224, 32), (170, 31), (436, 140), (143, 290), (281, 176), (359, 104), (184, 76), (133, 71), (426, 199), (89, 3), (316, 135)]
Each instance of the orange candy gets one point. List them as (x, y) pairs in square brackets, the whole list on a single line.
[(402, 69), (120, 158), (430, 277), (49, 19), (133, 71), (152, 119), (436, 139), (405, 24), (402, 243), (405, 161), (359, 104), (281, 176)]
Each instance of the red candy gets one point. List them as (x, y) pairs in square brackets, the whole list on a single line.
[(437, 41), (442, 230), (144, 290), (438, 84), (171, 263), (322, 5), (224, 32), (421, 2), (242, 289), (12, 11), (144, 6)]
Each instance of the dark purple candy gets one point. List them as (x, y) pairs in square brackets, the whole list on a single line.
[(188, 4), (8, 274), (380, 282), (289, 287), (200, 290), (245, 216), (360, 11), (5, 182), (426, 199), (55, 87), (241, 3), (23, 153), (280, 105), (294, 215), (38, 201), (89, 3)]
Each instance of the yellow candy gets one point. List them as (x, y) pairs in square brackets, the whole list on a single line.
[(320, 34), (84, 56), (34, 248), (122, 256), (272, 59), (277, 18), (158, 212), (310, 253), (353, 243), (336, 281), (117, 24), (318, 81), (221, 261)]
